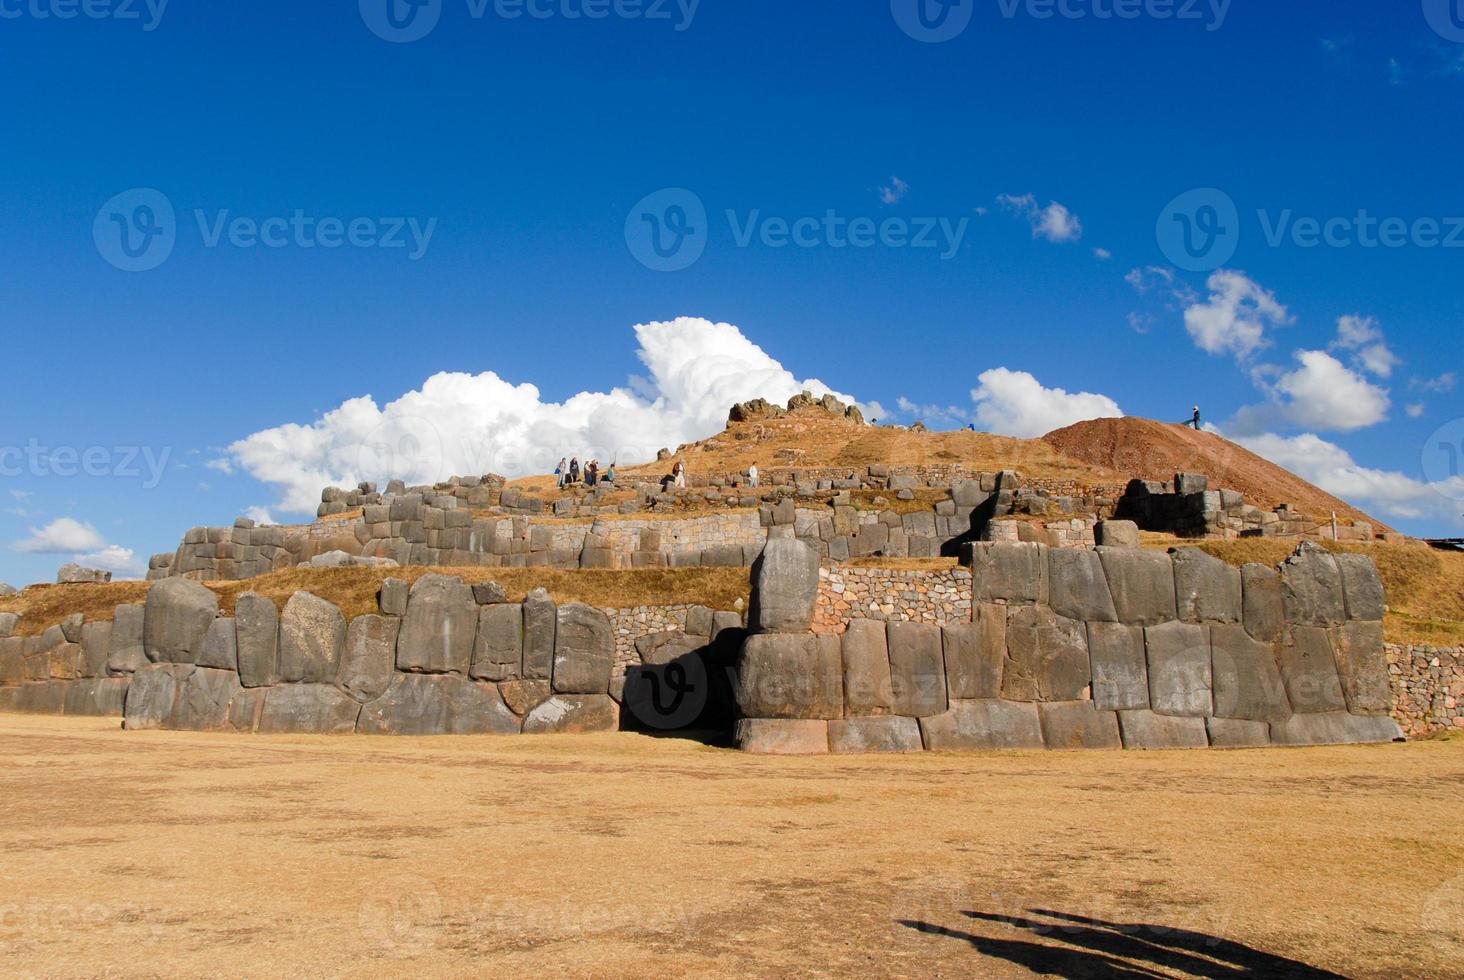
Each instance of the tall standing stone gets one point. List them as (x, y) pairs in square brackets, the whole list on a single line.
[(125, 652), (975, 653), (917, 669), (312, 635), (257, 635), (785, 587), (1142, 585), (540, 625), (499, 649), (1206, 588), (178, 614), (1120, 667), (438, 631), (584, 650), (1309, 668), (1180, 679), (369, 660), (790, 676), (1047, 656), (1362, 667), (1311, 587), (1264, 614), (1247, 678), (1078, 587), (866, 669)]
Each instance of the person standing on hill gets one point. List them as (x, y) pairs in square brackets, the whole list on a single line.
[(678, 475), (752, 476), (561, 472), (1196, 420), (574, 469)]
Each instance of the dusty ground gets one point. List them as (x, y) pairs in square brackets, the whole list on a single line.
[(140, 854)]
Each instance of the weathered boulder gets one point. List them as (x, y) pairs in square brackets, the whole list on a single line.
[(1207, 590), (489, 593), (984, 724), (8, 623), (1117, 534), (1237, 733), (773, 736), (437, 633), (1120, 666), (178, 614), (12, 661), (498, 650), (1362, 588), (1362, 667), (790, 675), (1335, 728), (369, 659), (917, 669), (1142, 585), (257, 640), (574, 714), (66, 662), (1078, 725), (151, 693), (584, 650), (96, 644), (312, 635), (71, 627), (342, 559), (125, 652), (1180, 679), (1309, 670), (74, 574), (424, 704), (1047, 656), (313, 709), (97, 697), (1148, 730), (393, 597), (221, 646), (885, 734), (523, 696), (1078, 587), (203, 699), (975, 654), (1247, 678), (540, 623), (785, 587), (1009, 571), (866, 669), (1264, 613), (1311, 587)]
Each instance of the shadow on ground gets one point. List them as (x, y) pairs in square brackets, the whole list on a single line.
[(1081, 947)]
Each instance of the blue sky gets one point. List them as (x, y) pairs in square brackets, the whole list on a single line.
[(527, 146)]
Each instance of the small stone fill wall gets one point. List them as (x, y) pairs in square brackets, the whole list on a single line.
[(1188, 507), (847, 592), (440, 657), (1104, 648), (1428, 688)]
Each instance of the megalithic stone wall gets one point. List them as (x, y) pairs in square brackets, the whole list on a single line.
[(1099, 648)]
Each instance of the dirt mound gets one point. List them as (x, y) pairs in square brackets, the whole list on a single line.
[(1151, 450)]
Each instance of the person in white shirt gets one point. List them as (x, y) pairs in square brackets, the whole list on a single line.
[(752, 475)]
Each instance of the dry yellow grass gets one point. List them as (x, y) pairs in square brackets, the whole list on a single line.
[(140, 854)]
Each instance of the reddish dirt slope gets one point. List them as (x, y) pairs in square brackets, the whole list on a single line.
[(1157, 450)]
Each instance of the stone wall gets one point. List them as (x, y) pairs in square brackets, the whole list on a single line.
[(1428, 688), (438, 657), (1104, 648), (1188, 508), (849, 592)]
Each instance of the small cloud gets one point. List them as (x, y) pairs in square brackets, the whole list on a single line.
[(119, 561), (1395, 72), (62, 536), (1141, 322), (981, 212), (224, 466), (22, 495), (1414, 410), (259, 515), (1102, 254), (1053, 222), (1365, 339), (1436, 386), (895, 192), (938, 416), (204, 487)]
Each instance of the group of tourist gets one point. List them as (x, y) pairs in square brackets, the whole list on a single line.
[(568, 472)]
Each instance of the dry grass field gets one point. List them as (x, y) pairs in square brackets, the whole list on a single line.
[(165, 853)]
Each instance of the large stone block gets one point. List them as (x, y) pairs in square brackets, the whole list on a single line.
[(574, 714), (1009, 571), (45, 698), (584, 650), (203, 700), (1117, 534), (1236, 733), (1120, 666), (1247, 677), (151, 693), (1078, 725), (96, 643), (312, 636), (975, 653), (771, 736), (785, 587), (8, 622), (1047, 656), (1206, 589), (1264, 613), (1362, 588), (1311, 587), (221, 646), (498, 651), (424, 704), (984, 724), (12, 661), (790, 675), (867, 686), (1078, 587), (97, 697), (125, 652), (1335, 728), (438, 631), (887, 734), (369, 659), (313, 709), (1180, 679), (1309, 670), (1142, 585), (257, 638), (178, 614), (917, 669), (1148, 730), (540, 624), (1362, 667)]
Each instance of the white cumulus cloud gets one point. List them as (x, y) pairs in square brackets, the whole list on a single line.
[(1364, 338), (1053, 222), (62, 536), (466, 424), (1014, 403), (121, 562), (1235, 318), (1322, 393)]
